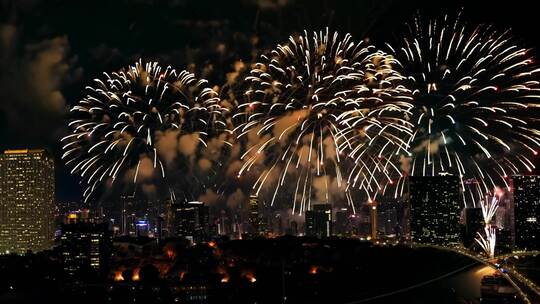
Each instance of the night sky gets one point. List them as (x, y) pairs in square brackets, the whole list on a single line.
[(50, 50)]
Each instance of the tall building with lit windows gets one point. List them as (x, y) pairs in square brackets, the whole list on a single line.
[(319, 221), (253, 217), (85, 245), (527, 211), (191, 221), (435, 209), (26, 201)]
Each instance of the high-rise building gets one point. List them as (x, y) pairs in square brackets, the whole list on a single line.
[(474, 222), (26, 201), (435, 209), (504, 242), (85, 246), (388, 223), (253, 217), (527, 211), (191, 221), (319, 221)]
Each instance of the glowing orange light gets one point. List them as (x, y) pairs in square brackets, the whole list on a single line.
[(135, 276), (225, 280), (313, 270), (251, 277), (170, 253), (118, 276), (212, 244)]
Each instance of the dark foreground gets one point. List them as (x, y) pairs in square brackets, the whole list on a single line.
[(282, 270)]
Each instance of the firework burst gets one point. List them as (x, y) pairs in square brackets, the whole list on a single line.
[(117, 125), (476, 103), (312, 103), (488, 240)]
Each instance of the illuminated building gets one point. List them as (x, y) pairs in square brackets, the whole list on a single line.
[(142, 227), (504, 241), (319, 221), (255, 227), (435, 209), (85, 246), (127, 219), (26, 201), (191, 221), (388, 223), (527, 211)]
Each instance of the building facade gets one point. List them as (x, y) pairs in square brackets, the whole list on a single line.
[(319, 221), (191, 221), (85, 246), (26, 201), (527, 211), (435, 209)]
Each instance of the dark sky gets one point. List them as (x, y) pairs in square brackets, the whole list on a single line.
[(49, 50)]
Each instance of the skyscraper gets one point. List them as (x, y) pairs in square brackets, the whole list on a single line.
[(253, 216), (435, 209), (319, 221), (388, 224), (527, 211), (191, 221), (85, 246), (26, 201)]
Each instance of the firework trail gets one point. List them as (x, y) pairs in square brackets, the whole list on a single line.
[(488, 242), (313, 102), (117, 125), (476, 103), (489, 209)]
